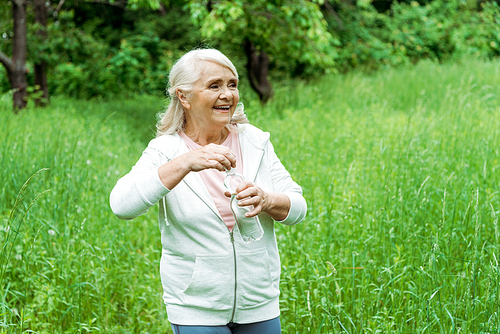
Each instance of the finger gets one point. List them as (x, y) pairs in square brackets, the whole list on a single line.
[(247, 192), (232, 159), (247, 201), (243, 186), (253, 212), (212, 163), (228, 154), (227, 193), (221, 150), (223, 161)]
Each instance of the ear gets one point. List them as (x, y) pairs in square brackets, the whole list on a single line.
[(183, 99)]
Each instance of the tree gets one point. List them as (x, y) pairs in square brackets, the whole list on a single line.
[(16, 66), (292, 32), (41, 65)]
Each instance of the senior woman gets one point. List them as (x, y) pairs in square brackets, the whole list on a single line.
[(213, 282)]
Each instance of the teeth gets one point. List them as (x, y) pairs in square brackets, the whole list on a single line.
[(222, 107)]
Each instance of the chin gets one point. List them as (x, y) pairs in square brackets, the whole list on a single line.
[(222, 121)]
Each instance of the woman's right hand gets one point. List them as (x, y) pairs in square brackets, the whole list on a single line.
[(206, 157), (211, 156)]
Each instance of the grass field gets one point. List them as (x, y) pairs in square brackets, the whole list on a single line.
[(400, 169)]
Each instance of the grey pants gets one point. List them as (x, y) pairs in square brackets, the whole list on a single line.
[(272, 326)]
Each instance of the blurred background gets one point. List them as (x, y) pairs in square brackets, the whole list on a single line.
[(385, 112), (101, 48)]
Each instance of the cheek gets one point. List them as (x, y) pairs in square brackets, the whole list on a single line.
[(208, 97)]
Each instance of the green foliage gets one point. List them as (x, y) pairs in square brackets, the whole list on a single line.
[(293, 33), (89, 58), (481, 37), (102, 50), (4, 80), (136, 4), (6, 34), (410, 32), (90, 67)]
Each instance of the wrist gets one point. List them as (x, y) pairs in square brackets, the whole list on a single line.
[(268, 200), (184, 164)]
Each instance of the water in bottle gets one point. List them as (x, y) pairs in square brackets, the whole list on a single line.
[(250, 228)]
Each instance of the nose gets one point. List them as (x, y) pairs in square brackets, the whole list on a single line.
[(225, 93)]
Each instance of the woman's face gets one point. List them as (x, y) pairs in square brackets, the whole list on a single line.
[(214, 98)]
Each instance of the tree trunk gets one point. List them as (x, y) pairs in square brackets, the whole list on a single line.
[(16, 69), (258, 69), (335, 15), (42, 90), (162, 9), (18, 74)]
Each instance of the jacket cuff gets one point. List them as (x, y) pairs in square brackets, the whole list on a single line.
[(298, 209)]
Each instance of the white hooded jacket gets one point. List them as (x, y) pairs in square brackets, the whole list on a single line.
[(209, 276)]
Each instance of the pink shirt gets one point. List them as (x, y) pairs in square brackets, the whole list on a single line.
[(214, 179)]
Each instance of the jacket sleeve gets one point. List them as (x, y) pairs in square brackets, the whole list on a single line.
[(140, 189), (283, 183)]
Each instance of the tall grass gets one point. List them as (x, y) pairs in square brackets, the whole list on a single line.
[(75, 267), (401, 173), (400, 169)]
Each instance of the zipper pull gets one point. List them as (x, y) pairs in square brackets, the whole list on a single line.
[(232, 236)]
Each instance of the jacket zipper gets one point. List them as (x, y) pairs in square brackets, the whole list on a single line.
[(235, 275)]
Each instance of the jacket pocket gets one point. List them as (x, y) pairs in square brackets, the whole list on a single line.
[(255, 285), (175, 271), (212, 283)]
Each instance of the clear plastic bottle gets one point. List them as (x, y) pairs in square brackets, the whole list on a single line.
[(250, 228)]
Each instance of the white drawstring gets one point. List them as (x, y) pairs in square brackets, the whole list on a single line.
[(165, 211)]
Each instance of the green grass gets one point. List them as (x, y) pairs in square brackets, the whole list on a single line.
[(400, 169)]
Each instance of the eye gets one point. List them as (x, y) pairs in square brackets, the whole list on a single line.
[(233, 85), (214, 86)]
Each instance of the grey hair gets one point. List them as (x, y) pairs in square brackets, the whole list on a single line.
[(183, 75)]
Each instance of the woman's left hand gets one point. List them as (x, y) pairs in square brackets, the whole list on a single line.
[(248, 193), (276, 205)]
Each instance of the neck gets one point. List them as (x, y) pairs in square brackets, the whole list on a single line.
[(203, 137)]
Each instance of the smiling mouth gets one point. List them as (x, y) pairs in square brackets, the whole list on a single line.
[(222, 108)]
